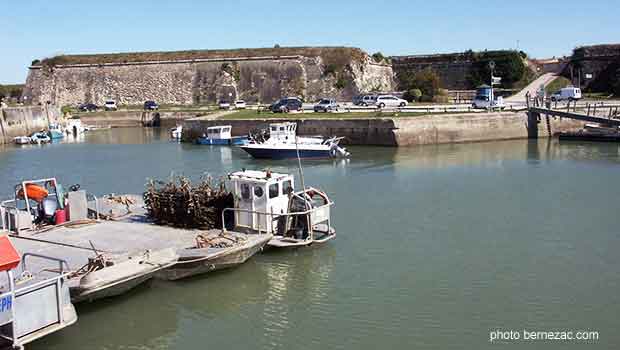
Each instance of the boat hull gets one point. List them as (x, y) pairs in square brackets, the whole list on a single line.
[(195, 265), (56, 135), (285, 153)]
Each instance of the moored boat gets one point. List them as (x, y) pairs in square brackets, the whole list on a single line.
[(176, 133), (22, 140), (267, 202), (221, 135), (33, 303), (39, 138), (56, 131), (283, 143)]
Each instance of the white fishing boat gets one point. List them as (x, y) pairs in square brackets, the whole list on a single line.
[(282, 142), (33, 302), (56, 131), (177, 132), (22, 140), (267, 202), (221, 135), (40, 137), (74, 127)]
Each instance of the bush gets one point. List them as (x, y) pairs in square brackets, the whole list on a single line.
[(509, 66), (378, 57), (441, 96), (412, 95), (340, 83), (427, 81)]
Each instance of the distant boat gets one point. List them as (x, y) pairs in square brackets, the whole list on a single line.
[(220, 135), (55, 131), (40, 137), (282, 143), (177, 132), (75, 127), (22, 140)]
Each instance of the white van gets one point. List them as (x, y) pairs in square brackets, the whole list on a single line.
[(570, 93), (110, 105)]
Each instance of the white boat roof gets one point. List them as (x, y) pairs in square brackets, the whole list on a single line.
[(219, 126), (257, 175)]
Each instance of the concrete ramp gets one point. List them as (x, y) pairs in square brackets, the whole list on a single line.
[(544, 79)]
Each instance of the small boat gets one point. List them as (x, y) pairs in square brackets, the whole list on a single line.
[(33, 303), (114, 259), (75, 127), (22, 140), (220, 135), (56, 131), (176, 133), (40, 138), (283, 143), (266, 202)]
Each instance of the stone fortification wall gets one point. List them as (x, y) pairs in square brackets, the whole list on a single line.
[(452, 69), (596, 67), (329, 72)]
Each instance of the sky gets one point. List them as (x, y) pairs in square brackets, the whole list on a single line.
[(34, 29)]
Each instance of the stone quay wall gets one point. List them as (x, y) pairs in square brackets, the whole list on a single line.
[(404, 131), (23, 121)]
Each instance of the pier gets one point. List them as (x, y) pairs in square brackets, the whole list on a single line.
[(534, 114)]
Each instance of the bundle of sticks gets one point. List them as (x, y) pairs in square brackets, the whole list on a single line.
[(179, 203)]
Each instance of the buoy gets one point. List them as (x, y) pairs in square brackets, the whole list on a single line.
[(34, 192)]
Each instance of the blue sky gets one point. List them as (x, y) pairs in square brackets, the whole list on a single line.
[(36, 29)]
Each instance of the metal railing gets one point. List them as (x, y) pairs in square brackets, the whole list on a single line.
[(275, 217)]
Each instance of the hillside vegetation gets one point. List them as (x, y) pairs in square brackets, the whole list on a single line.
[(331, 55)]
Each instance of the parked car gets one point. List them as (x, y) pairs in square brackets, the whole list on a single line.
[(286, 105), (110, 105), (87, 107), (389, 101), (240, 104), (224, 104), (326, 105), (364, 100), (151, 105), (570, 93), (482, 101)]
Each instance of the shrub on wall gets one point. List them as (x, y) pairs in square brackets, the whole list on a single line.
[(509, 66), (426, 80)]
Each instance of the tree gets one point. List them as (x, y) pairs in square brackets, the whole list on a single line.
[(426, 80), (378, 57)]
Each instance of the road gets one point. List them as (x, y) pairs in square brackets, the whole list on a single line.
[(544, 79)]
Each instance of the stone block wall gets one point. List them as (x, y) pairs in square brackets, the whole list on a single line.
[(205, 81)]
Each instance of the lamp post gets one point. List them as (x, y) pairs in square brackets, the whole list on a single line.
[(491, 97)]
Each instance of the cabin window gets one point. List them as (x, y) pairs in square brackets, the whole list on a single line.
[(274, 191), (274, 128), (245, 191), (281, 128), (258, 191), (226, 129), (287, 187)]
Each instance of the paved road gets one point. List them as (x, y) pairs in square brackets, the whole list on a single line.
[(544, 79)]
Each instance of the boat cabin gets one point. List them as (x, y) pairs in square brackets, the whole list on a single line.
[(282, 131), (219, 132), (267, 202)]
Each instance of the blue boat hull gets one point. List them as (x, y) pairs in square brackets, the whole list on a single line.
[(234, 141), (269, 153), (56, 135)]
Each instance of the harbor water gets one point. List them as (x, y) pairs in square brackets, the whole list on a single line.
[(437, 247)]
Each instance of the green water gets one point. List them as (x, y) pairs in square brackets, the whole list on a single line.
[(437, 246)]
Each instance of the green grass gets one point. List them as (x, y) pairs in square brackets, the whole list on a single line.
[(557, 84), (252, 114)]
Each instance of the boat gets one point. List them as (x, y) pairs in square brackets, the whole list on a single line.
[(177, 132), (40, 138), (56, 131), (33, 303), (74, 127), (21, 140), (221, 135), (283, 143), (46, 220), (266, 202)]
